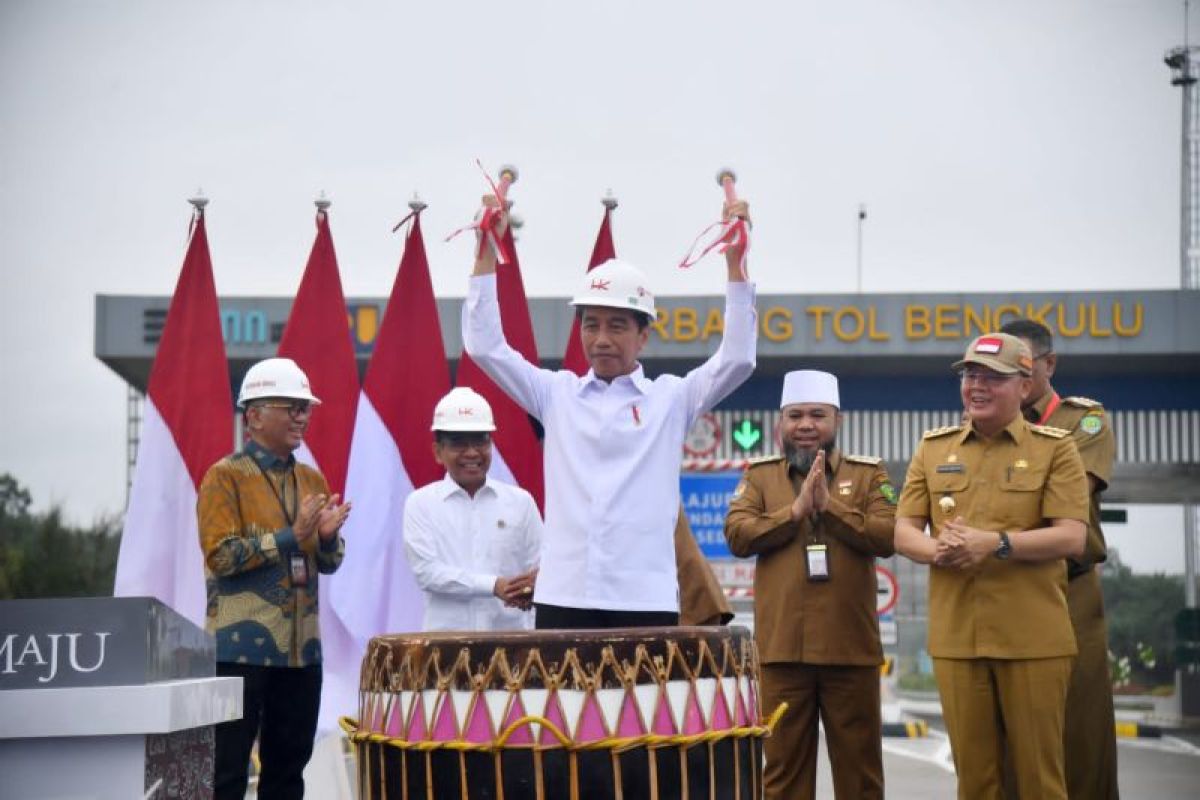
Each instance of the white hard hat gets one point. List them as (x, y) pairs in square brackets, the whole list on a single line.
[(275, 377), (616, 284), (462, 410)]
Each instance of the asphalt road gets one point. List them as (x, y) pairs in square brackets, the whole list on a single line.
[(1161, 769)]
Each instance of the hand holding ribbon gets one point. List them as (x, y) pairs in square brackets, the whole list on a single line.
[(734, 228), (490, 221)]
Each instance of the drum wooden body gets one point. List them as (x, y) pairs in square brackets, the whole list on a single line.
[(560, 715)]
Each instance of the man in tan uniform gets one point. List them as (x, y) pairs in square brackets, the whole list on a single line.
[(702, 601), (1006, 502), (816, 519), (1089, 742)]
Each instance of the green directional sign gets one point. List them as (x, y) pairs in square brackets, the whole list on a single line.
[(747, 434)]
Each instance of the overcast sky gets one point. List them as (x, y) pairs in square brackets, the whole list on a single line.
[(1025, 144)]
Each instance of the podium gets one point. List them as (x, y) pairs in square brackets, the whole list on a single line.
[(108, 697)]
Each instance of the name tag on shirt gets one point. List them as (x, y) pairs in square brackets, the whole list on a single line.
[(951, 468), (817, 556), (299, 569)]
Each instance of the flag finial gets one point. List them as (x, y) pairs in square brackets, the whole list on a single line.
[(609, 200), (516, 222), (198, 201), (322, 202), (417, 204)]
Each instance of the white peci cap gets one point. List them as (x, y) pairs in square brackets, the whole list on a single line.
[(810, 386)]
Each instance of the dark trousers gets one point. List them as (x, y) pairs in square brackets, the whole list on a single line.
[(279, 706), (561, 617)]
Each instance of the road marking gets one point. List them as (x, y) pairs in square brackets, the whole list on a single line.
[(942, 758)]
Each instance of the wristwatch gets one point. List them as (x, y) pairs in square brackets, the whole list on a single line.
[(1004, 549)]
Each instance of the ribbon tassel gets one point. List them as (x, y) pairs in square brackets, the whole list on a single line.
[(485, 222)]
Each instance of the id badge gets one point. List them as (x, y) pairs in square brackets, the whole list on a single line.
[(299, 565), (817, 556)]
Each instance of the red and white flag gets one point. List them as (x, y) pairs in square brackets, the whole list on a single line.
[(518, 453), (574, 359), (375, 591), (187, 426), (317, 337)]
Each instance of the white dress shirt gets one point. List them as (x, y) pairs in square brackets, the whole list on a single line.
[(457, 545), (612, 454)]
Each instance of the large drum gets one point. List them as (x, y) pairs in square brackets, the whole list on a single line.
[(561, 715)]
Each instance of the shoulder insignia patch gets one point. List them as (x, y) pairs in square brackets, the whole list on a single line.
[(1046, 430), (942, 431), (754, 462), (871, 460), (1092, 422), (1083, 402)]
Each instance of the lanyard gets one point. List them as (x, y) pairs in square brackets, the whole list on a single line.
[(1051, 407), (291, 518)]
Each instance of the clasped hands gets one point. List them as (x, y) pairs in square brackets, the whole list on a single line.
[(320, 515), (517, 591), (962, 547), (814, 492)]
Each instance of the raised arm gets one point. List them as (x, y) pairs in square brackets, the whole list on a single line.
[(483, 338), (735, 359)]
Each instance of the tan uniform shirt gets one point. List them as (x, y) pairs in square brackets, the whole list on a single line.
[(795, 619), (702, 601), (1092, 432), (1018, 480)]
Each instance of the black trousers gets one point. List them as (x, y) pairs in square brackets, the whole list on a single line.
[(561, 617), (279, 707)]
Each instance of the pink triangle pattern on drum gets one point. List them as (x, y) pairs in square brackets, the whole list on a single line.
[(395, 721), (478, 727), (416, 728), (555, 717), (515, 711), (663, 724), (445, 728), (693, 720), (591, 722), (630, 724), (720, 717)]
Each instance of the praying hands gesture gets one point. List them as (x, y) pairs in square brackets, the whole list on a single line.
[(814, 492)]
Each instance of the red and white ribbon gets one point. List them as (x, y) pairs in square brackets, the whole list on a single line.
[(488, 218), (734, 232)]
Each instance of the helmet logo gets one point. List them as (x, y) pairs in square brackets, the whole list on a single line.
[(466, 411), (602, 285)]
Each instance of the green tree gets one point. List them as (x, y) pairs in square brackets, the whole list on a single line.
[(41, 556), (1141, 612)]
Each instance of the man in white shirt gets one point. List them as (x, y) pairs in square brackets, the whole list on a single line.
[(613, 440), (472, 542)]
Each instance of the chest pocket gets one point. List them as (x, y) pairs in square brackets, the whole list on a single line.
[(948, 495), (1023, 489), (505, 542)]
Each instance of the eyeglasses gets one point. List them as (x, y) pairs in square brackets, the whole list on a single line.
[(459, 442), (983, 376), (296, 408), (1046, 354)]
